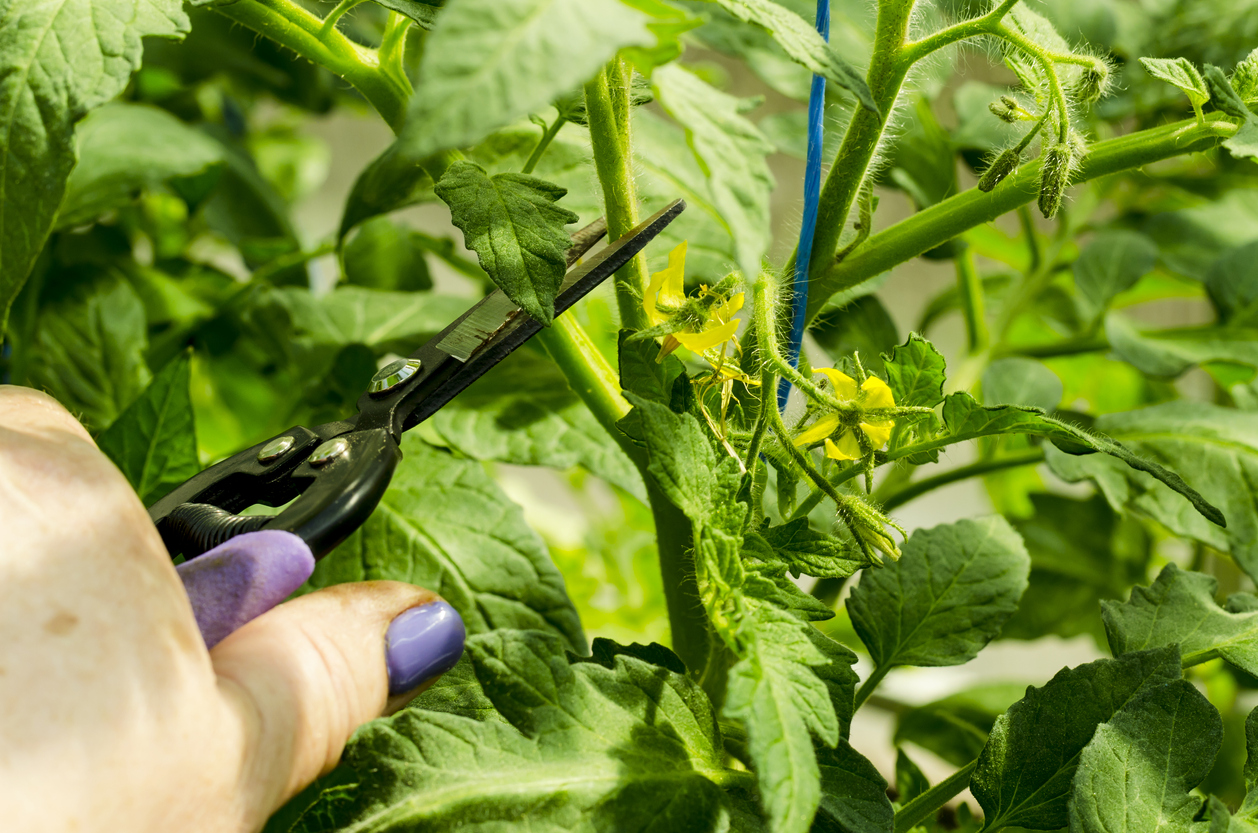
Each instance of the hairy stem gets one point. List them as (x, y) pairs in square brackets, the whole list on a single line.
[(943, 221), (595, 382), (288, 24), (885, 77), (929, 802), (607, 111)]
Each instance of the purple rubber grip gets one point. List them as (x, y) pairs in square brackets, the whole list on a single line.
[(243, 578)]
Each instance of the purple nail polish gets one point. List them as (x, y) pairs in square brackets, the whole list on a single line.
[(243, 578), (421, 643)]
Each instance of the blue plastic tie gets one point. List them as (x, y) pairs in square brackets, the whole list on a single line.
[(812, 195)]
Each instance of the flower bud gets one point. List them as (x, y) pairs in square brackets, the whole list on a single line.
[(1006, 109), (1000, 168), (1092, 83), (1054, 177)]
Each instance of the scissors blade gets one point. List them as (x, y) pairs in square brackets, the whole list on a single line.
[(495, 327)]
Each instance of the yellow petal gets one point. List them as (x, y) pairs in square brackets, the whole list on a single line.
[(666, 286), (877, 394), (878, 432), (698, 342), (673, 292), (844, 385), (725, 310), (845, 449), (823, 427)]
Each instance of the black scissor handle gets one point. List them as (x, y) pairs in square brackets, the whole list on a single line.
[(333, 496)]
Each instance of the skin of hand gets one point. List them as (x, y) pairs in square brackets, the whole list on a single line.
[(113, 713)]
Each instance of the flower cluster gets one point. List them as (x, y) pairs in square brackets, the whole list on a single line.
[(699, 324), (858, 432)]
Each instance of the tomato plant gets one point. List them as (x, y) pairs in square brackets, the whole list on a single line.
[(1079, 165)]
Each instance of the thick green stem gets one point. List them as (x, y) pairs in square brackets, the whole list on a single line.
[(885, 77), (928, 484), (595, 382), (943, 221), (929, 802), (590, 377), (288, 24), (607, 111)]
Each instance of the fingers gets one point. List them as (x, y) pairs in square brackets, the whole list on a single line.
[(243, 578), (30, 411), (305, 675)]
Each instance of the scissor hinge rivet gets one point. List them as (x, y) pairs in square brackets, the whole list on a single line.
[(329, 451), (275, 449), (393, 374)]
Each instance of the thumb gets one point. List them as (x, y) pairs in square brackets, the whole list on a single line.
[(303, 676)]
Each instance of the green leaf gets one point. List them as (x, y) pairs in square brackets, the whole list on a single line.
[(127, 148), (1082, 552), (1245, 77), (1024, 775), (1181, 74), (512, 223), (87, 349), (862, 326), (1111, 263), (445, 525), (1244, 143), (1179, 607), (853, 793), (1167, 354), (423, 13), (385, 255), (681, 459), (57, 62), (1232, 282), (915, 372), (319, 327), (1021, 381), (392, 180), (956, 727), (585, 748), (812, 553), (966, 420), (487, 63), (1137, 771), (523, 412), (1217, 448), (910, 781), (154, 440), (779, 692), (803, 44), (923, 161), (945, 598), (731, 152), (670, 170)]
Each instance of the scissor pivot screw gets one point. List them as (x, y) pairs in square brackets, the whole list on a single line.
[(393, 374), (329, 451), (275, 449)]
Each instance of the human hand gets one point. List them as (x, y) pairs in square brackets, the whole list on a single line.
[(113, 713)]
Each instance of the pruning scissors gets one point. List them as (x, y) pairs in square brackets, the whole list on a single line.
[(332, 477)]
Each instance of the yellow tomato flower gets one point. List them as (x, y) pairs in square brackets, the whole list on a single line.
[(874, 394), (666, 293)]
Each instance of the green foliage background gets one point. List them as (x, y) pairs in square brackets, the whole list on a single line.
[(157, 282)]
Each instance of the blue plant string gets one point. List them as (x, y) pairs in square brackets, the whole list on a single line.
[(812, 194)]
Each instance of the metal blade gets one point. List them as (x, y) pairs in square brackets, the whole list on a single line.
[(496, 313), (494, 328)]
